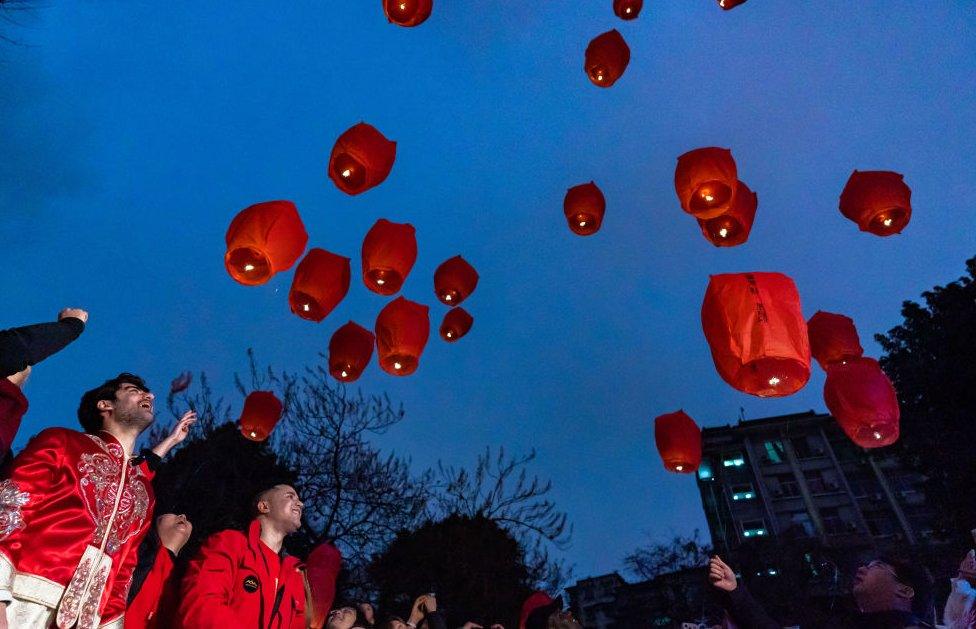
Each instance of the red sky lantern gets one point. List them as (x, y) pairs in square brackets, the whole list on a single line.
[(833, 338), (606, 58), (261, 413), (350, 349), (730, 4), (389, 251), (407, 12), (457, 322), (263, 239), (678, 440), (322, 571), (627, 9), (705, 180), (321, 281), (361, 159), (879, 201), (535, 601), (733, 227), (863, 401), (584, 207), (402, 329), (454, 280), (755, 329)]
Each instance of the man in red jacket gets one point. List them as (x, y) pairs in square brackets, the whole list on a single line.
[(245, 580), (75, 508)]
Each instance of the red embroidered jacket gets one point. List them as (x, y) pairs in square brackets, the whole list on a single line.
[(230, 583), (72, 515)]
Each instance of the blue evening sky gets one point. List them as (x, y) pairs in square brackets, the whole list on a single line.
[(131, 132)]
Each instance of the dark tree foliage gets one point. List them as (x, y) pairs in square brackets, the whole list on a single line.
[(679, 553), (500, 489), (475, 567), (931, 359)]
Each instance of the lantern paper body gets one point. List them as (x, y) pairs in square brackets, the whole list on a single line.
[(863, 401), (833, 338), (606, 58), (361, 159), (584, 207), (407, 12), (402, 329), (321, 281), (730, 4), (322, 570), (389, 251), (535, 601), (733, 227), (350, 349), (705, 180), (457, 322), (678, 440), (262, 410), (755, 329), (454, 280), (627, 9), (878, 201), (263, 239)]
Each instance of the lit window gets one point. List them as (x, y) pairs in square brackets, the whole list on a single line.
[(754, 528), (705, 470), (743, 492), (733, 459)]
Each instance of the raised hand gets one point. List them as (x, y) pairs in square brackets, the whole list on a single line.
[(77, 313), (720, 575)]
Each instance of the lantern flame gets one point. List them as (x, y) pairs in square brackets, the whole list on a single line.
[(450, 334), (723, 232), (381, 282), (678, 468), (628, 10), (346, 172), (887, 222), (306, 307), (397, 366), (877, 435), (345, 374), (773, 381), (403, 6), (447, 297), (709, 198), (248, 267), (253, 434)]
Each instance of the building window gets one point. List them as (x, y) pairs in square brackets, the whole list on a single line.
[(705, 470), (733, 459), (754, 528), (807, 447), (743, 492), (773, 451), (797, 524), (863, 485), (834, 523), (787, 486)]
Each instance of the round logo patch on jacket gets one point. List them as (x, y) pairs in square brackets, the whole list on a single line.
[(251, 584)]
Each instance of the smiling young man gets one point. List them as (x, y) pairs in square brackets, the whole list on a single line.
[(74, 510), (245, 579)]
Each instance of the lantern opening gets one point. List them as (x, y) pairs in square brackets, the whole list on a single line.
[(584, 224), (457, 322), (310, 308), (384, 281), (249, 266), (407, 12), (710, 195), (890, 221), (401, 364), (724, 227), (773, 377), (350, 350), (349, 170)]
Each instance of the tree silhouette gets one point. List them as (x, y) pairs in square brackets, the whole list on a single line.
[(929, 358), (475, 567)]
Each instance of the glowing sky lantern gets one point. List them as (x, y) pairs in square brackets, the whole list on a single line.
[(584, 207), (350, 349), (389, 252), (361, 159), (754, 326), (402, 330), (879, 201), (321, 570), (833, 338), (627, 9), (262, 240), (863, 401), (606, 58), (321, 281), (262, 410), (407, 12), (730, 4), (705, 180), (457, 322), (678, 441), (732, 228), (454, 280)]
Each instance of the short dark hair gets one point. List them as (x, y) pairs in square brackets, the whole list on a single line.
[(910, 573), (89, 416), (259, 496)]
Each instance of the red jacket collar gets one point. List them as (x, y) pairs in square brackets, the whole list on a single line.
[(254, 539)]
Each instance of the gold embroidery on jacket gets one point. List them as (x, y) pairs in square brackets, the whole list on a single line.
[(12, 499)]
